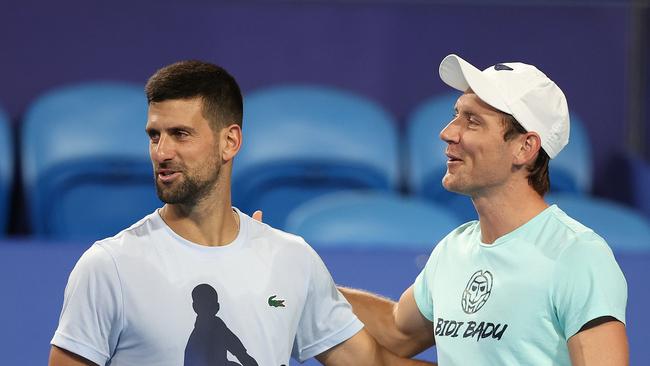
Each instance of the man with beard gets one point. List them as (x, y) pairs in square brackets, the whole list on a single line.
[(145, 296)]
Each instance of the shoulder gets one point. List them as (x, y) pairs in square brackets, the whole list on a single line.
[(453, 244), (468, 228), (557, 235), (284, 250), (95, 272), (94, 258), (577, 246), (127, 239), (566, 222), (460, 235), (586, 247), (264, 236)]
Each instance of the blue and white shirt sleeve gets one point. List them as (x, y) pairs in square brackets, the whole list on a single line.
[(327, 319), (91, 319), (588, 284)]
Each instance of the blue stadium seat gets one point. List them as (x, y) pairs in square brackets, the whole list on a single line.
[(570, 171), (624, 228), (371, 219), (302, 141), (85, 162), (6, 170)]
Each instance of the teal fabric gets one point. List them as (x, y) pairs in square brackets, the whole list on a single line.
[(518, 300)]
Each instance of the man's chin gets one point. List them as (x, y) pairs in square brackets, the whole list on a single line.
[(166, 195), (448, 183), (453, 187)]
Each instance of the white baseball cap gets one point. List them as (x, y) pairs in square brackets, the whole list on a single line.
[(518, 89)]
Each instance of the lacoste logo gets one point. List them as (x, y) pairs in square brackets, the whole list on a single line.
[(477, 292), (276, 303)]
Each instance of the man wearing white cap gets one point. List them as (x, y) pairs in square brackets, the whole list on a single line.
[(525, 284)]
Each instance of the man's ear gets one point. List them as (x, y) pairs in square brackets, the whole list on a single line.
[(529, 145), (231, 139)]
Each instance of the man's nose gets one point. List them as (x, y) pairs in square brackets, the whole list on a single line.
[(163, 149), (450, 133)]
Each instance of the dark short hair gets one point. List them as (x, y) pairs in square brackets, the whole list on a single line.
[(221, 96), (538, 176)]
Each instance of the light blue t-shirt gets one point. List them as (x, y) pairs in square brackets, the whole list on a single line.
[(517, 301), (150, 297)]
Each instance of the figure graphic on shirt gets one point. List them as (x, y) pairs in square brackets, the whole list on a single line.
[(211, 339)]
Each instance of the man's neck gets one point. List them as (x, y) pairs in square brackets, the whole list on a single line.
[(504, 211), (211, 222)]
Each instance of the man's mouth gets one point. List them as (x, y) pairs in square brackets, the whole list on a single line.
[(167, 175), (453, 158)]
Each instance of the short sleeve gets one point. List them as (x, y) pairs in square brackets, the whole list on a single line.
[(422, 287), (327, 318), (91, 319), (588, 284)]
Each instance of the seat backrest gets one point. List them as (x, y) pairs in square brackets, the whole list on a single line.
[(427, 162), (301, 141), (85, 163), (572, 169), (371, 219), (622, 227), (6, 170)]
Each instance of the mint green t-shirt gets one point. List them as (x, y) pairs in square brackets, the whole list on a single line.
[(517, 301)]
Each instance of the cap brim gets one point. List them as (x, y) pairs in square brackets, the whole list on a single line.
[(461, 75)]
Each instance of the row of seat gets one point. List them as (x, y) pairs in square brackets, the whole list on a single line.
[(327, 140), (379, 219), (86, 171)]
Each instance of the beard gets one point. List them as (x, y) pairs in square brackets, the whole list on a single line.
[(191, 189)]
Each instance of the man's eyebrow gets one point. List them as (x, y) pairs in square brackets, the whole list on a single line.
[(173, 128), (181, 128)]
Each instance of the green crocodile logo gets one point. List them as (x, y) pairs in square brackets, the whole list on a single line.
[(276, 303)]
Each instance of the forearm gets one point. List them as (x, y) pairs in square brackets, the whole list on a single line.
[(363, 350), (378, 315), (387, 358)]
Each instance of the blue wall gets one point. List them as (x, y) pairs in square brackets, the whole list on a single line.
[(386, 50)]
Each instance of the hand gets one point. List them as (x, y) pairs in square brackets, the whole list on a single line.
[(257, 215)]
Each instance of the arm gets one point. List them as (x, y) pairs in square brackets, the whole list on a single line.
[(61, 357), (400, 327), (363, 350), (90, 322), (604, 344), (590, 295)]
